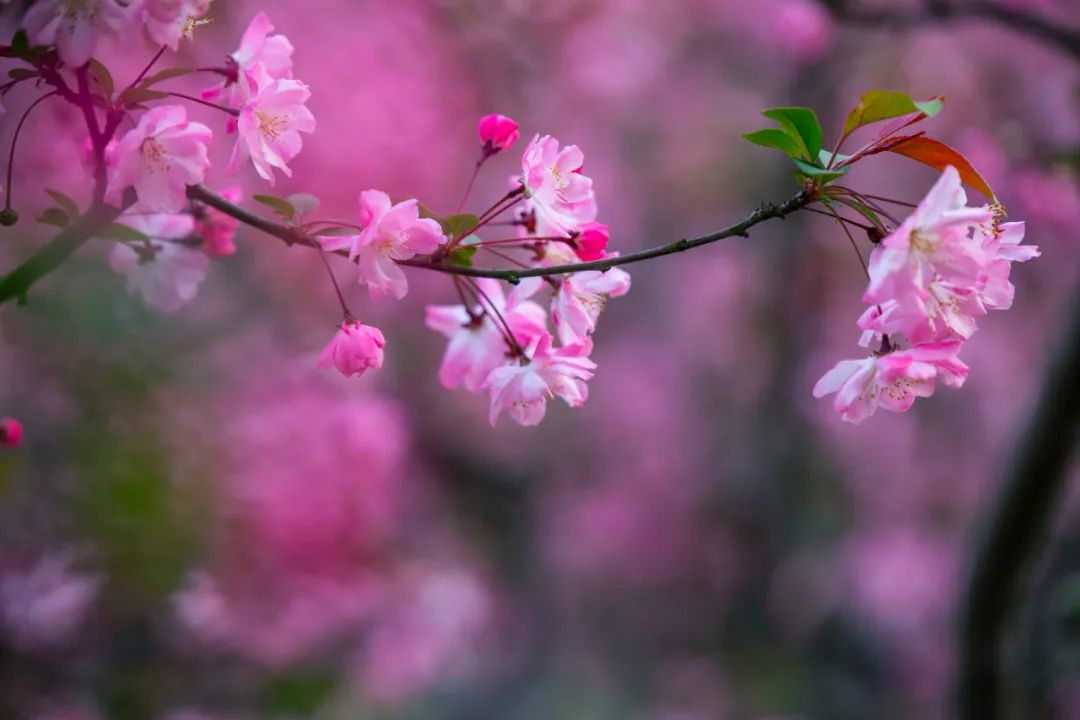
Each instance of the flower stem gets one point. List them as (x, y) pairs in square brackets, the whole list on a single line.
[(15, 142), (337, 289)]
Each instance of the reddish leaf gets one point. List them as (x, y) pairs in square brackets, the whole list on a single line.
[(938, 155)]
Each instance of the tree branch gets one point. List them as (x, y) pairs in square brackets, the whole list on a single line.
[(1047, 31), (294, 236), (1033, 483)]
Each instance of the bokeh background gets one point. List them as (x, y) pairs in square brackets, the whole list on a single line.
[(201, 526)]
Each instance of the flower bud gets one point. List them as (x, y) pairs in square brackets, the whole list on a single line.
[(355, 348), (497, 133), (11, 432), (592, 241)]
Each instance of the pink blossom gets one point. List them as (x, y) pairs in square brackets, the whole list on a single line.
[(524, 386), (272, 116), (497, 133), (166, 269), (935, 241), (11, 432), (1002, 248), (892, 380), (801, 28), (217, 229), (562, 196), (476, 344), (592, 241), (581, 298), (355, 349), (391, 233), (73, 27), (257, 47), (169, 20), (46, 604), (160, 157)]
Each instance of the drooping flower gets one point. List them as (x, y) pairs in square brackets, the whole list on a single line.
[(580, 299), (562, 196), (11, 432), (169, 20), (257, 47), (217, 229), (891, 380), (524, 386), (73, 26), (498, 133), (354, 349), (592, 241), (272, 116), (391, 233), (168, 268), (160, 157), (476, 343)]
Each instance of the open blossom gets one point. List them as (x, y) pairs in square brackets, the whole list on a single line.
[(73, 26), (160, 157), (892, 380), (169, 20), (271, 119), (257, 47), (354, 349), (935, 241), (524, 386), (1001, 248), (167, 270), (555, 186), (580, 299), (476, 344), (11, 432), (498, 133), (217, 229), (391, 233)]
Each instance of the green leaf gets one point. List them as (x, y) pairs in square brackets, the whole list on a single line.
[(67, 204), (826, 156), (878, 105), (303, 203), (103, 77), (778, 139), (454, 225), (54, 216), (462, 255), (136, 95), (281, 206), (122, 233), (164, 75), (819, 175), (938, 155), (802, 125), (22, 73), (860, 208)]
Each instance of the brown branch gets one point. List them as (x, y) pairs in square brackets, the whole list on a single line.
[(1064, 38)]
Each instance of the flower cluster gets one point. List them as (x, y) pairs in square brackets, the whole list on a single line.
[(943, 267)]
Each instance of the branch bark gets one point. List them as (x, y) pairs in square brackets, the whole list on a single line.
[(1034, 481)]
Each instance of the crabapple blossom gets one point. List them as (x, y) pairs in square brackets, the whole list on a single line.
[(160, 157), (354, 349), (217, 229), (271, 119), (257, 46), (561, 195), (11, 432), (1002, 248), (498, 133), (167, 268), (476, 344), (580, 299), (391, 232), (73, 26), (169, 20), (592, 241), (523, 387), (891, 380)]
